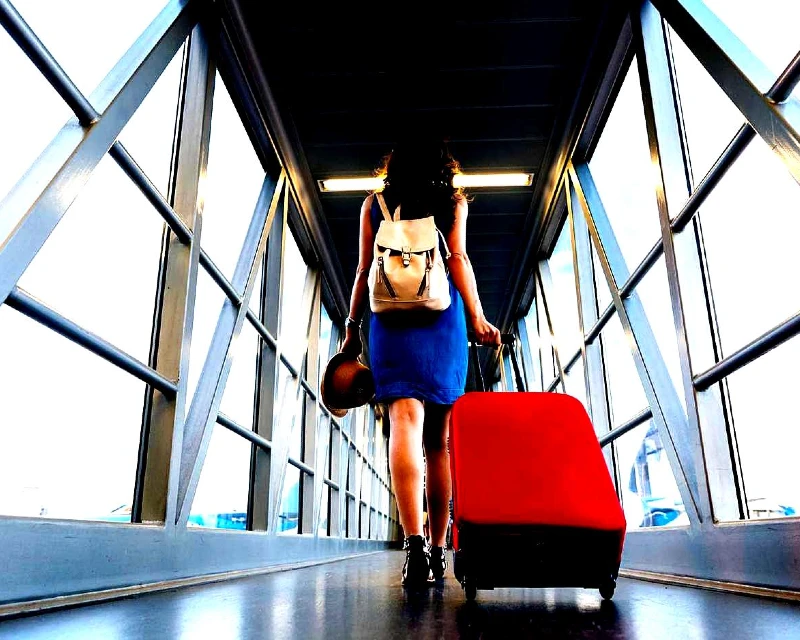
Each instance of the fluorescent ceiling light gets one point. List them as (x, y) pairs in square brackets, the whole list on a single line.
[(459, 180), (351, 184), (492, 179)]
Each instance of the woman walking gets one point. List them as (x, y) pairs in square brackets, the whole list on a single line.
[(419, 357)]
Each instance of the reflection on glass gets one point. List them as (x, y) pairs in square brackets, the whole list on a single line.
[(221, 498), (99, 267), (709, 117), (650, 496), (767, 424), (234, 181), (653, 293), (562, 300), (105, 31), (70, 425), (624, 176), (604, 298), (770, 31), (576, 382), (149, 134), (624, 385), (751, 223), (290, 407), (28, 122), (289, 514), (294, 318)]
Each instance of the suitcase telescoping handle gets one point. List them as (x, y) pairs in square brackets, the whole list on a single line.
[(506, 339)]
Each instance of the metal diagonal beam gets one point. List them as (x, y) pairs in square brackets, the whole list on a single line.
[(35, 206), (211, 385), (661, 395), (740, 74), (687, 295)]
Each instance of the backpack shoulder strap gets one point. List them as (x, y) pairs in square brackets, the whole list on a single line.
[(384, 208)]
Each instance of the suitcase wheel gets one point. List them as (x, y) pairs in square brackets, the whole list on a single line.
[(607, 588), (470, 589)]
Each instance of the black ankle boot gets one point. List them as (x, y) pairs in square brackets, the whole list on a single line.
[(416, 569), (438, 562)]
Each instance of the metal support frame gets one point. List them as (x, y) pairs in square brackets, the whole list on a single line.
[(29, 214), (741, 75), (668, 413), (162, 431), (672, 187), (211, 385), (171, 450)]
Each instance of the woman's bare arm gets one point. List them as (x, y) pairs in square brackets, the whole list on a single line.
[(358, 297), (464, 278)]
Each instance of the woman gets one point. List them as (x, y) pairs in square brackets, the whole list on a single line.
[(419, 359)]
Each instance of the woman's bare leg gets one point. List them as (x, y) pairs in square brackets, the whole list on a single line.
[(405, 461), (437, 470)]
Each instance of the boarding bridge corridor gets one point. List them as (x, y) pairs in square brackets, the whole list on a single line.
[(180, 190)]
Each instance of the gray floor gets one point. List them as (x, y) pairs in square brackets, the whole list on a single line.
[(362, 598)]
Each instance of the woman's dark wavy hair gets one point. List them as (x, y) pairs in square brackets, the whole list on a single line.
[(418, 175)]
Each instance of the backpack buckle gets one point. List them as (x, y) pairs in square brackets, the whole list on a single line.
[(406, 256)]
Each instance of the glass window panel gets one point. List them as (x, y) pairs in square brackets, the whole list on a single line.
[(290, 412), (105, 31), (99, 267), (751, 223), (624, 385), (150, 132), (709, 117), (233, 183), (289, 514), (238, 399), (75, 454), (770, 31), (653, 293), (322, 530), (28, 122), (576, 382), (624, 175), (325, 329), (650, 496), (208, 303), (534, 344), (562, 300), (764, 404), (294, 321), (221, 498), (604, 298)]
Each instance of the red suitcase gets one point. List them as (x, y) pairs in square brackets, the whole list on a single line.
[(533, 502)]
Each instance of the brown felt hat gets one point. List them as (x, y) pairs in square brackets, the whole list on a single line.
[(346, 384)]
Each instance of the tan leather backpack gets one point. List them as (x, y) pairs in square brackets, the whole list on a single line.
[(407, 270)]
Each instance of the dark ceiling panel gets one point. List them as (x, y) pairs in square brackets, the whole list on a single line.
[(474, 156), (370, 125), (432, 89)]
